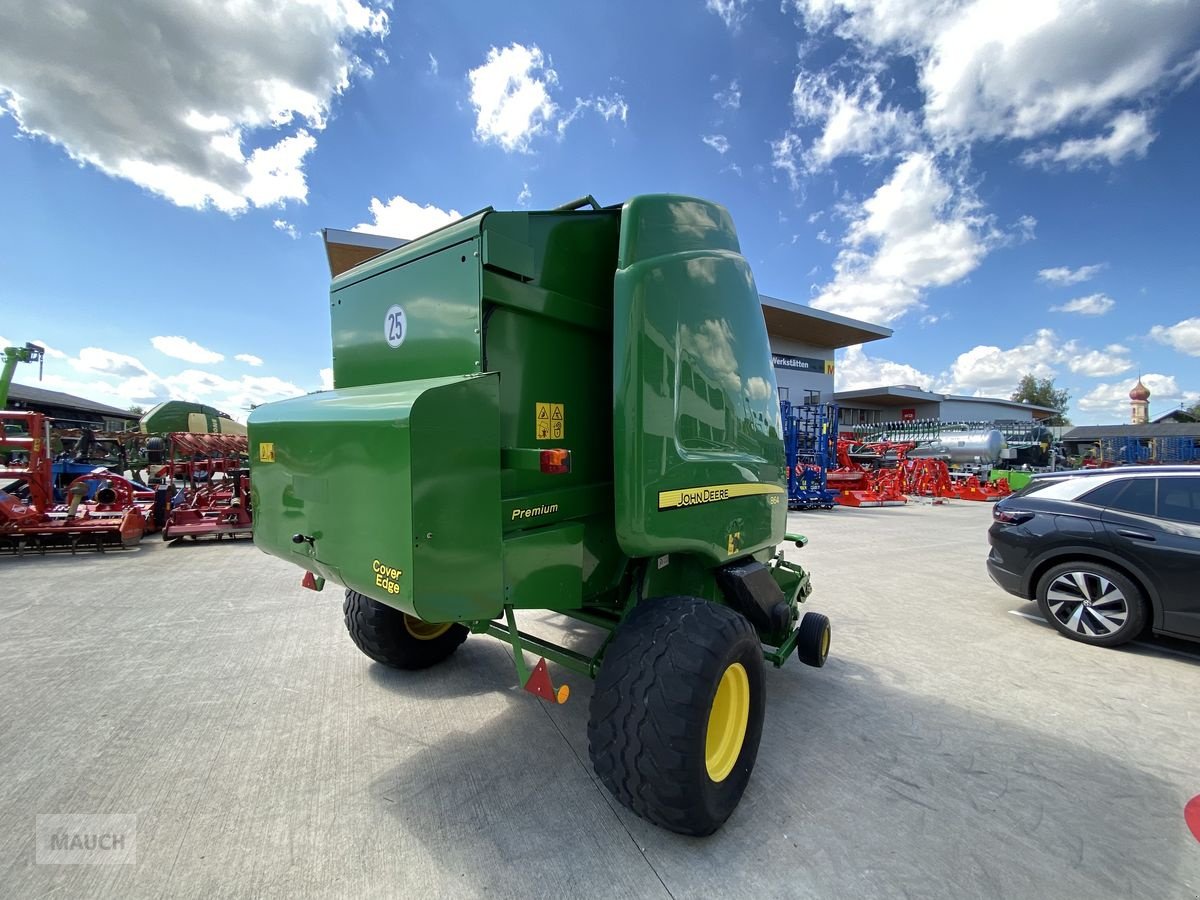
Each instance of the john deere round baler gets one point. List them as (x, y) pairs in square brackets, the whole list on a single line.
[(571, 410)]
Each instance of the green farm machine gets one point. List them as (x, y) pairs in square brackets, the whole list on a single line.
[(570, 410)]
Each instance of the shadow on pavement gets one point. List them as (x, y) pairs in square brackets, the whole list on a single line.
[(860, 790)]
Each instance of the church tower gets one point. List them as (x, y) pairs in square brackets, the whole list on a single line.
[(1139, 403)]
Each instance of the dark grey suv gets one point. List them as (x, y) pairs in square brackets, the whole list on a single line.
[(1107, 553)]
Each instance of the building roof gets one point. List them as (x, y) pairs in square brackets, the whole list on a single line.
[(815, 326), (904, 394), (891, 395), (1175, 415), (1162, 429), (346, 249), (41, 397)]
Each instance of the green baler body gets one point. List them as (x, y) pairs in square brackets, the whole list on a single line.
[(632, 337)]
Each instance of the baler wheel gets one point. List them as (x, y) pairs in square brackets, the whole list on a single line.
[(677, 713), (812, 643), (401, 641)]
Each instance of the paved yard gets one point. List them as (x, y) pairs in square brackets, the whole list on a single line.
[(948, 749)]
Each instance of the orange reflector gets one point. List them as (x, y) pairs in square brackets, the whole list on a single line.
[(310, 581), (556, 462)]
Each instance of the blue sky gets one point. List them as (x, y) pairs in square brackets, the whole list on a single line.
[(1011, 186)]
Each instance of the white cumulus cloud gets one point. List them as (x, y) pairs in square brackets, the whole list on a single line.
[(182, 348), (915, 232), (402, 218), (731, 97), (1100, 363), (287, 228), (249, 359), (718, 142), (1182, 336), (1112, 399), (511, 95), (121, 380), (1091, 305), (988, 69), (203, 103), (511, 92), (852, 121), (785, 154), (856, 370), (732, 12), (1129, 135), (1065, 275)]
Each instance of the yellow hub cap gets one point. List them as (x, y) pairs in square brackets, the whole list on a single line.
[(727, 723), (425, 631)]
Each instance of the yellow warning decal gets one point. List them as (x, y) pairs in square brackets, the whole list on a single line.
[(714, 493), (550, 422), (266, 452)]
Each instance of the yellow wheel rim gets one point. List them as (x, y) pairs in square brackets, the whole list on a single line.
[(727, 723), (825, 642), (425, 631)]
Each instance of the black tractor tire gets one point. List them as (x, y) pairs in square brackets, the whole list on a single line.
[(395, 639), (649, 721), (1109, 609), (812, 643)]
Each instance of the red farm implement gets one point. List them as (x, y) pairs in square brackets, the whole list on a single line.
[(103, 510), (215, 499)]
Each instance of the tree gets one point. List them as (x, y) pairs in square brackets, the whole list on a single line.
[(137, 410), (1041, 392)]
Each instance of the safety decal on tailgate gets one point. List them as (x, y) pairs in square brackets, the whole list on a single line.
[(550, 421)]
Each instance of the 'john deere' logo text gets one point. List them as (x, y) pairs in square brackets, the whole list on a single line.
[(702, 495), (715, 493)]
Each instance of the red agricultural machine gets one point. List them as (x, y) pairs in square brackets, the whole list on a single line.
[(882, 474), (215, 498), (103, 510)]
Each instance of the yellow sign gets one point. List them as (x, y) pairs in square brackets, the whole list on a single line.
[(266, 452), (386, 577), (549, 421), (714, 493)]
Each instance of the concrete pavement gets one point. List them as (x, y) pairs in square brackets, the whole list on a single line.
[(948, 749)]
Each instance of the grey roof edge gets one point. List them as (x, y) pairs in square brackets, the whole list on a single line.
[(361, 239), (1161, 429), (33, 394), (882, 331), (890, 390), (1018, 403), (900, 390)]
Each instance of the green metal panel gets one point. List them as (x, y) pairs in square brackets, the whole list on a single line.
[(543, 569), (457, 555), (698, 452), (1016, 480), (548, 334), (369, 473), (418, 318)]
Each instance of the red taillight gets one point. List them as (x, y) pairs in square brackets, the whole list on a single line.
[(1010, 516), (556, 462)]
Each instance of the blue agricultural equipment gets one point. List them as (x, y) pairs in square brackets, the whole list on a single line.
[(810, 442)]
